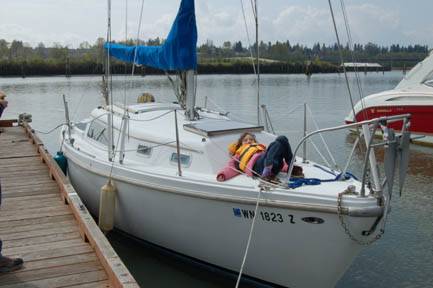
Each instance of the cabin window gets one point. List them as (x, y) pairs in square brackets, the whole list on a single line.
[(144, 150), (98, 132), (185, 160)]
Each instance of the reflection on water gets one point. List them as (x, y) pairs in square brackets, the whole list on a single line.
[(408, 240), (420, 159), (403, 258)]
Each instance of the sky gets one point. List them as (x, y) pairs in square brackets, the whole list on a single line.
[(71, 22)]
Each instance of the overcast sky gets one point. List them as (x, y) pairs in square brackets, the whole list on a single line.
[(71, 22)]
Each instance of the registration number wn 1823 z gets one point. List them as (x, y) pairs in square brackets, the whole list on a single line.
[(264, 216)]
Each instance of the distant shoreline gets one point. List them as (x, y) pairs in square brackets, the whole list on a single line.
[(42, 69)]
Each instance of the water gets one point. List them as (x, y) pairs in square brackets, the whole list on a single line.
[(402, 258)]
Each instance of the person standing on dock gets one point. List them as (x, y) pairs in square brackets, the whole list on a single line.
[(3, 105), (7, 264)]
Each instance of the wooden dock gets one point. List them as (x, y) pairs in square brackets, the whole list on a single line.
[(43, 221)]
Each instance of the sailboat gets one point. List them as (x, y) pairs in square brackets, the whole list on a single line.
[(163, 158), (414, 95)]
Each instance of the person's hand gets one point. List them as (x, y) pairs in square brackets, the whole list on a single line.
[(221, 178), (4, 103)]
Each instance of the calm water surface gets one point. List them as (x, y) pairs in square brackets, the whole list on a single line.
[(402, 258)]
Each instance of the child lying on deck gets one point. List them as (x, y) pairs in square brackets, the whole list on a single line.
[(254, 159)]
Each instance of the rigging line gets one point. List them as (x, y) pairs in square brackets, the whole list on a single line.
[(344, 69), (77, 107), (63, 141), (111, 74), (358, 82), (341, 57), (351, 48), (140, 149), (224, 111), (115, 151), (108, 53), (254, 8), (138, 38), (116, 147), (323, 139), (50, 131), (126, 66), (156, 117), (96, 118), (135, 53), (318, 152), (248, 36), (255, 12)]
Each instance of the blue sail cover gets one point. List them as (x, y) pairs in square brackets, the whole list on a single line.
[(179, 51)]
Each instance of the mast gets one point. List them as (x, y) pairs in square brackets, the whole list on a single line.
[(177, 53), (258, 63), (109, 91), (190, 96)]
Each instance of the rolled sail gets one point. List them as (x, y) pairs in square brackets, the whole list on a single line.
[(179, 51)]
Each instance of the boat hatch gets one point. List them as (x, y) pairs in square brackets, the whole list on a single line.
[(221, 127)]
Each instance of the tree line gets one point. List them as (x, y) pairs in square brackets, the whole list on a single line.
[(20, 59), (394, 55)]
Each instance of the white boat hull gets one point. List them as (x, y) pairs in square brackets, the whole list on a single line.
[(284, 250)]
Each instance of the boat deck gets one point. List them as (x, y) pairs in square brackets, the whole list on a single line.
[(43, 221)]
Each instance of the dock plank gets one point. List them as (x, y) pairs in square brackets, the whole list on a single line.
[(34, 211), (42, 224), (51, 272), (38, 226), (40, 239), (99, 284), (35, 221), (39, 233), (30, 216), (22, 162), (32, 203), (42, 247), (27, 198), (63, 281), (59, 261), (51, 253), (26, 204), (12, 192)]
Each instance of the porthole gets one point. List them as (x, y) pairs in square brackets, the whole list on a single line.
[(313, 220), (185, 160), (144, 150)]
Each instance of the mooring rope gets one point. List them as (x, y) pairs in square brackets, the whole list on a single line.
[(249, 238)]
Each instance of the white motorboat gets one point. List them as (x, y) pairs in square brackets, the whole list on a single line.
[(413, 95), (163, 159)]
